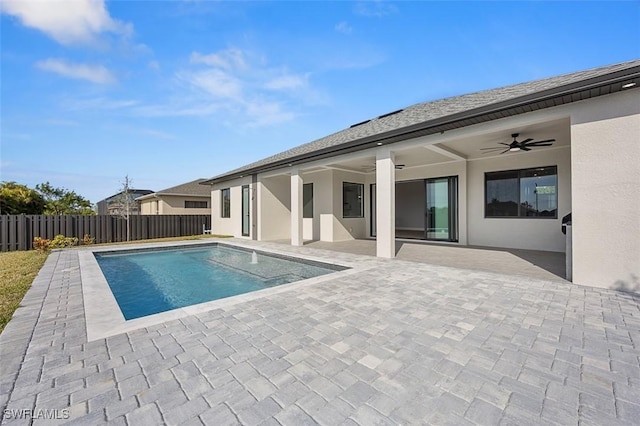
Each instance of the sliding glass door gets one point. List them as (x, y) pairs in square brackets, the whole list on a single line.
[(435, 200), (441, 209)]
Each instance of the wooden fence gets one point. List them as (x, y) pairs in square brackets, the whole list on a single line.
[(18, 231)]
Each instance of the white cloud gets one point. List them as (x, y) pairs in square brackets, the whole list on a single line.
[(237, 87), (287, 82), (66, 21), (99, 103), (267, 113), (215, 82), (229, 59), (94, 73), (154, 65), (188, 109), (375, 8), (343, 27)]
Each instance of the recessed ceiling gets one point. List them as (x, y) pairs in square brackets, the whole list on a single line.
[(470, 147)]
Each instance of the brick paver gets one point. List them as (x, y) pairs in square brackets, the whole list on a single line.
[(399, 343)]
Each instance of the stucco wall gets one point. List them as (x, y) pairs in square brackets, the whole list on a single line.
[(231, 225), (175, 205), (347, 228), (520, 233), (274, 207), (148, 207), (605, 155), (322, 206)]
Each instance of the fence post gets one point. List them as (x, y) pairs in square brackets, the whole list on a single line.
[(4, 232)]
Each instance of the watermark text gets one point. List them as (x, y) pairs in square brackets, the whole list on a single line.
[(38, 413)]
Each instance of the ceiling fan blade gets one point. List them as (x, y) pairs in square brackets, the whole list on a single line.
[(539, 142), (526, 141), (495, 148), (506, 150), (524, 148)]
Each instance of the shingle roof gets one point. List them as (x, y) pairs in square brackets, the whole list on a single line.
[(134, 193), (437, 112), (193, 188)]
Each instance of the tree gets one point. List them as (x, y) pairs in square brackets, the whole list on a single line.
[(60, 201), (123, 204), (20, 199)]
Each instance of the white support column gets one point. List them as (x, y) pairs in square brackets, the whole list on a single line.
[(296, 207), (385, 204)]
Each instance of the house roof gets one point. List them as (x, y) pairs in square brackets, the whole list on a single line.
[(134, 192), (450, 113), (189, 189)]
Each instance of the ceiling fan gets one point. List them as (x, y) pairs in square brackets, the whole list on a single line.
[(516, 146), (372, 168)]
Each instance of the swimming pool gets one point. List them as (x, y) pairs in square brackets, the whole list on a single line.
[(147, 282)]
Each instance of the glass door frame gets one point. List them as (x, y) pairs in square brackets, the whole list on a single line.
[(373, 216), (245, 215), (452, 206)]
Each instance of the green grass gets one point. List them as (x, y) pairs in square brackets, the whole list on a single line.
[(19, 268), (158, 240), (17, 271)]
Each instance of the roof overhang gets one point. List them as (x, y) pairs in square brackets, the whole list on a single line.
[(585, 89), (162, 194)]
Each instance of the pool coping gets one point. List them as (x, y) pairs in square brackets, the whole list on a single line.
[(104, 317)]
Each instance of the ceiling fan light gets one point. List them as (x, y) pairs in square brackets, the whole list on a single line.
[(514, 149)]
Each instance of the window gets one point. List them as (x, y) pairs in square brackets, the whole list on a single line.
[(307, 200), (352, 200), (195, 205), (225, 202), (522, 193)]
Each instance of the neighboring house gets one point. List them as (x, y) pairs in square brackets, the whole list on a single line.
[(113, 205), (188, 198), (428, 172)]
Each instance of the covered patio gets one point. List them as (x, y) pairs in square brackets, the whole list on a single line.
[(544, 265)]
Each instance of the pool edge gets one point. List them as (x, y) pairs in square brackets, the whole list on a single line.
[(104, 317)]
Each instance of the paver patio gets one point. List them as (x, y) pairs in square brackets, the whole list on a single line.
[(400, 343)]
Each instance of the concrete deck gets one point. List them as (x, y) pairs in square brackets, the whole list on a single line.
[(397, 343), (530, 263)]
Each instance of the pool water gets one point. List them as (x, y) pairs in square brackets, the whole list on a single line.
[(153, 281)]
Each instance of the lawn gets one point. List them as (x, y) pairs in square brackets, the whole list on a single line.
[(17, 271)]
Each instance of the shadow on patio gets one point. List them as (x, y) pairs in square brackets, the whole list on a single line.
[(531, 263)]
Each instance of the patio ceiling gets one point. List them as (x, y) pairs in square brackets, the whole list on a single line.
[(468, 148)]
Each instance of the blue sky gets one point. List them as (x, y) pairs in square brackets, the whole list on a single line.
[(169, 91)]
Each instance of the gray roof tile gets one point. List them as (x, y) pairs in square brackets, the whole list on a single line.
[(190, 188)]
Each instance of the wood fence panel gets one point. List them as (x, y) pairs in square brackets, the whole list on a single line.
[(4, 235), (18, 231)]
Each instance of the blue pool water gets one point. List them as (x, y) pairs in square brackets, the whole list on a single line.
[(153, 281)]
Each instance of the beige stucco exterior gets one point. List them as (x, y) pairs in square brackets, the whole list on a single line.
[(230, 225), (596, 152), (605, 158), (173, 204)]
